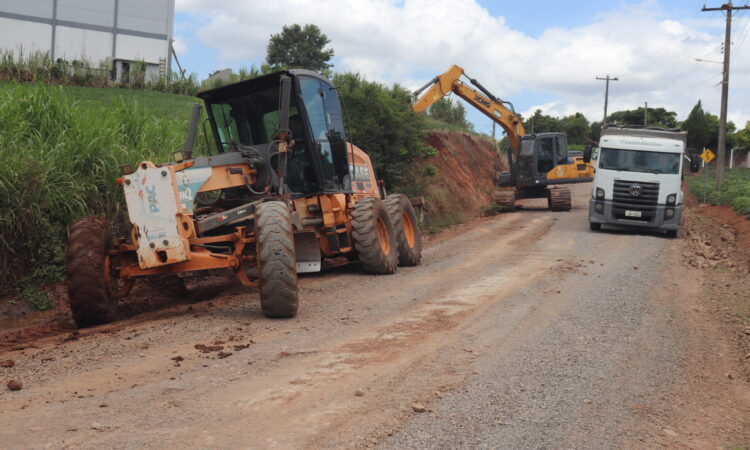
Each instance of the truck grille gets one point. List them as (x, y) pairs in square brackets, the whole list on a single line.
[(623, 199)]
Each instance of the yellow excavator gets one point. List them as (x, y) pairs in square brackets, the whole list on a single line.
[(536, 161)]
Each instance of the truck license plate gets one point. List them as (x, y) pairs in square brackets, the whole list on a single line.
[(629, 213)]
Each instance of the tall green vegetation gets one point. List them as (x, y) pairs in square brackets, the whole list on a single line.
[(703, 130), (742, 137), (59, 162), (657, 117), (297, 47), (38, 66), (450, 112), (697, 128), (381, 122), (575, 126), (735, 190)]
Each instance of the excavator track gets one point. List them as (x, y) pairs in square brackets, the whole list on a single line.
[(559, 199), (506, 200)]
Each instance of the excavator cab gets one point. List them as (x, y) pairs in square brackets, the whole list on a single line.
[(539, 156)]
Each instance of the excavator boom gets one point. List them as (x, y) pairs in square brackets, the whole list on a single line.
[(480, 98)]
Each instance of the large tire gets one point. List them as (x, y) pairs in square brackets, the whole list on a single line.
[(374, 239), (277, 265), (90, 282), (593, 226), (406, 229)]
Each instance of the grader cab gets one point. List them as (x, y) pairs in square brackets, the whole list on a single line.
[(285, 190)]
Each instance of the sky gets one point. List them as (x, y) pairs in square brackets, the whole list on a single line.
[(542, 55)]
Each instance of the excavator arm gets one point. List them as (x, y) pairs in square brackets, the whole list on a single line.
[(494, 108)]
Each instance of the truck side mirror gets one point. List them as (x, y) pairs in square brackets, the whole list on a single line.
[(695, 163), (587, 153)]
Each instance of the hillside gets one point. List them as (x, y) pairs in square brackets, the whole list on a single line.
[(467, 167)]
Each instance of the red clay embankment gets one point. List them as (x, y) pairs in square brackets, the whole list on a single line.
[(468, 167)]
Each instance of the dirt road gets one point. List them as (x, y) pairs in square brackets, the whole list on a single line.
[(523, 330)]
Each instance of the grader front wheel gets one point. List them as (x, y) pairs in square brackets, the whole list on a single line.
[(277, 269), (91, 283), (374, 238)]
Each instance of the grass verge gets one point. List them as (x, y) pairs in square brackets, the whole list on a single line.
[(735, 189), (61, 149)]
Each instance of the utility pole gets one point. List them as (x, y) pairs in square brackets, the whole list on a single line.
[(645, 116), (606, 96), (724, 90)]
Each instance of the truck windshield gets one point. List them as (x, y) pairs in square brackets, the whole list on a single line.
[(639, 161)]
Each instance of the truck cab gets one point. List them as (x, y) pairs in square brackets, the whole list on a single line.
[(638, 179)]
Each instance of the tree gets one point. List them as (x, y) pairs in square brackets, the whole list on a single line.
[(696, 126), (658, 117), (712, 123), (541, 123), (445, 110), (742, 137), (296, 47), (576, 127), (381, 122)]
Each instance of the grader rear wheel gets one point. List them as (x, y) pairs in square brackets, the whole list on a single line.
[(406, 228), (559, 199), (277, 267), (91, 283), (506, 200), (373, 236)]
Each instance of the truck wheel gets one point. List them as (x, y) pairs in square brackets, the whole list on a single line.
[(506, 200), (91, 284), (406, 228), (559, 199), (277, 267), (672, 234), (374, 239), (595, 226)]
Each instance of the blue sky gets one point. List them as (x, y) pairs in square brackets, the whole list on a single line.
[(543, 55)]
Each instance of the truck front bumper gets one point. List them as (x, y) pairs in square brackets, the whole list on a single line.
[(603, 212)]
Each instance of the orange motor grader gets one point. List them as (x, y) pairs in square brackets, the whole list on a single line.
[(285, 190)]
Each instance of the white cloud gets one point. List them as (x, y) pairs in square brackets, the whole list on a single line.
[(391, 41), (180, 45)]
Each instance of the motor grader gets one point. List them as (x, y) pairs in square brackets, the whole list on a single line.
[(536, 161), (285, 190)]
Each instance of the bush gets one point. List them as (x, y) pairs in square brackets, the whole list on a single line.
[(735, 189), (381, 122)]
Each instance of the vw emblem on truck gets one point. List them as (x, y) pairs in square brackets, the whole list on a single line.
[(635, 190)]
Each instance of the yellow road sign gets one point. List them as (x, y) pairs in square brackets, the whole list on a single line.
[(707, 156)]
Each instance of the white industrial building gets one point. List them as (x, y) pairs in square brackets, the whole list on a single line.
[(118, 32)]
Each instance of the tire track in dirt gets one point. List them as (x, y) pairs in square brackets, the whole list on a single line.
[(410, 329)]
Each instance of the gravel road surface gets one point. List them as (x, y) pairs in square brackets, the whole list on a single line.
[(524, 330)]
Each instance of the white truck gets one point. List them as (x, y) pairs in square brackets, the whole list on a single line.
[(638, 179)]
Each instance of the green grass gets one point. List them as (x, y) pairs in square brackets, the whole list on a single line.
[(735, 189), (104, 100), (61, 148)]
